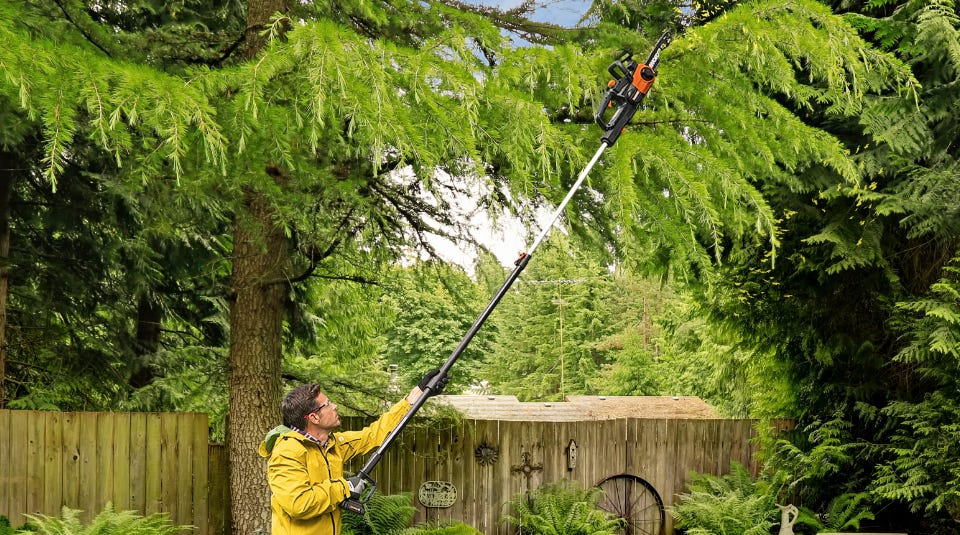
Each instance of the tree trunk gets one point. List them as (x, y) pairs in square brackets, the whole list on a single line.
[(149, 318), (260, 252), (6, 187)]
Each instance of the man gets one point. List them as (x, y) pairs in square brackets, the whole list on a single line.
[(305, 467)]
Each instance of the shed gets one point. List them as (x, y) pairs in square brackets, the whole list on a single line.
[(639, 450)]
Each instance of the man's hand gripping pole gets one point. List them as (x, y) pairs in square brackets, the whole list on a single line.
[(628, 88)]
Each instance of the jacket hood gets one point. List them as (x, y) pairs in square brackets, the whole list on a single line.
[(266, 447)]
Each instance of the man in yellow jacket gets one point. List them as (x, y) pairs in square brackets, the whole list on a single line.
[(305, 467)]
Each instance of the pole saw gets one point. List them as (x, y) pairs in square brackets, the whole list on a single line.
[(626, 91)]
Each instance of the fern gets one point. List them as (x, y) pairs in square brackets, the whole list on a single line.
[(562, 508), (924, 472), (384, 515), (730, 504), (108, 522), (449, 528), (846, 511)]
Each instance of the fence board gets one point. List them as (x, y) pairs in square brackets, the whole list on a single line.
[(137, 486), (218, 508), (53, 463), (52, 460), (152, 464), (119, 487), (5, 445), (36, 425), (200, 471), (70, 461), (17, 473), (100, 452)]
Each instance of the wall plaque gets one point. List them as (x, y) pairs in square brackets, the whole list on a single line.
[(438, 494)]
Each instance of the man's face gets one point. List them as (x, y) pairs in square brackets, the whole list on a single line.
[(325, 414)]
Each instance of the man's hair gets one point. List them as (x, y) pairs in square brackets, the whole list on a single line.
[(300, 402)]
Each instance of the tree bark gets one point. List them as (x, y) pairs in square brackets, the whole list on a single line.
[(261, 252), (6, 187)]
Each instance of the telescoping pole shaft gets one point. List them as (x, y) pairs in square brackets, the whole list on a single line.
[(356, 504), (520, 264)]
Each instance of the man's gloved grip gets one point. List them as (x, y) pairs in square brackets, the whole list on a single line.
[(428, 377)]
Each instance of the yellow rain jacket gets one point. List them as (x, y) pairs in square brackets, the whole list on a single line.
[(308, 483)]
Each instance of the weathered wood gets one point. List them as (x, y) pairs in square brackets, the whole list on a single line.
[(662, 452), (35, 425), (145, 463), (119, 488), (162, 463), (99, 457)]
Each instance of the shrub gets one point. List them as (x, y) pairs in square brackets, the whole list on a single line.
[(562, 508)]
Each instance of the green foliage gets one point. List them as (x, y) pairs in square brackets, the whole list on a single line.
[(831, 453), (738, 503), (443, 528), (634, 345), (846, 512), (434, 307), (75, 95), (384, 515), (729, 504), (544, 328), (107, 522), (710, 360), (923, 470), (392, 515), (562, 508)]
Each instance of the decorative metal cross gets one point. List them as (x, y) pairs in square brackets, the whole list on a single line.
[(526, 467)]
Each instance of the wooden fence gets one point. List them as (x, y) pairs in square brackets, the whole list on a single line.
[(662, 452), (151, 462), (146, 462)]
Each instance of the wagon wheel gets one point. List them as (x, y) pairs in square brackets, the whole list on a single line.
[(636, 502)]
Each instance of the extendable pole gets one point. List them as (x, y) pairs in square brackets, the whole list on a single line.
[(626, 92), (363, 476)]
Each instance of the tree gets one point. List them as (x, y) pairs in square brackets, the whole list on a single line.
[(828, 310), (545, 328), (434, 307), (347, 129)]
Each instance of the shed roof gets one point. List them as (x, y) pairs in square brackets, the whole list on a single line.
[(580, 408)]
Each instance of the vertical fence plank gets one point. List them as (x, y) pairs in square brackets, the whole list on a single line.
[(201, 475), (169, 474), (90, 473), (36, 423), (183, 463), (152, 465), (6, 478), (138, 462), (120, 491), (218, 491), (53, 464), (70, 465), (104, 425), (24, 470)]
